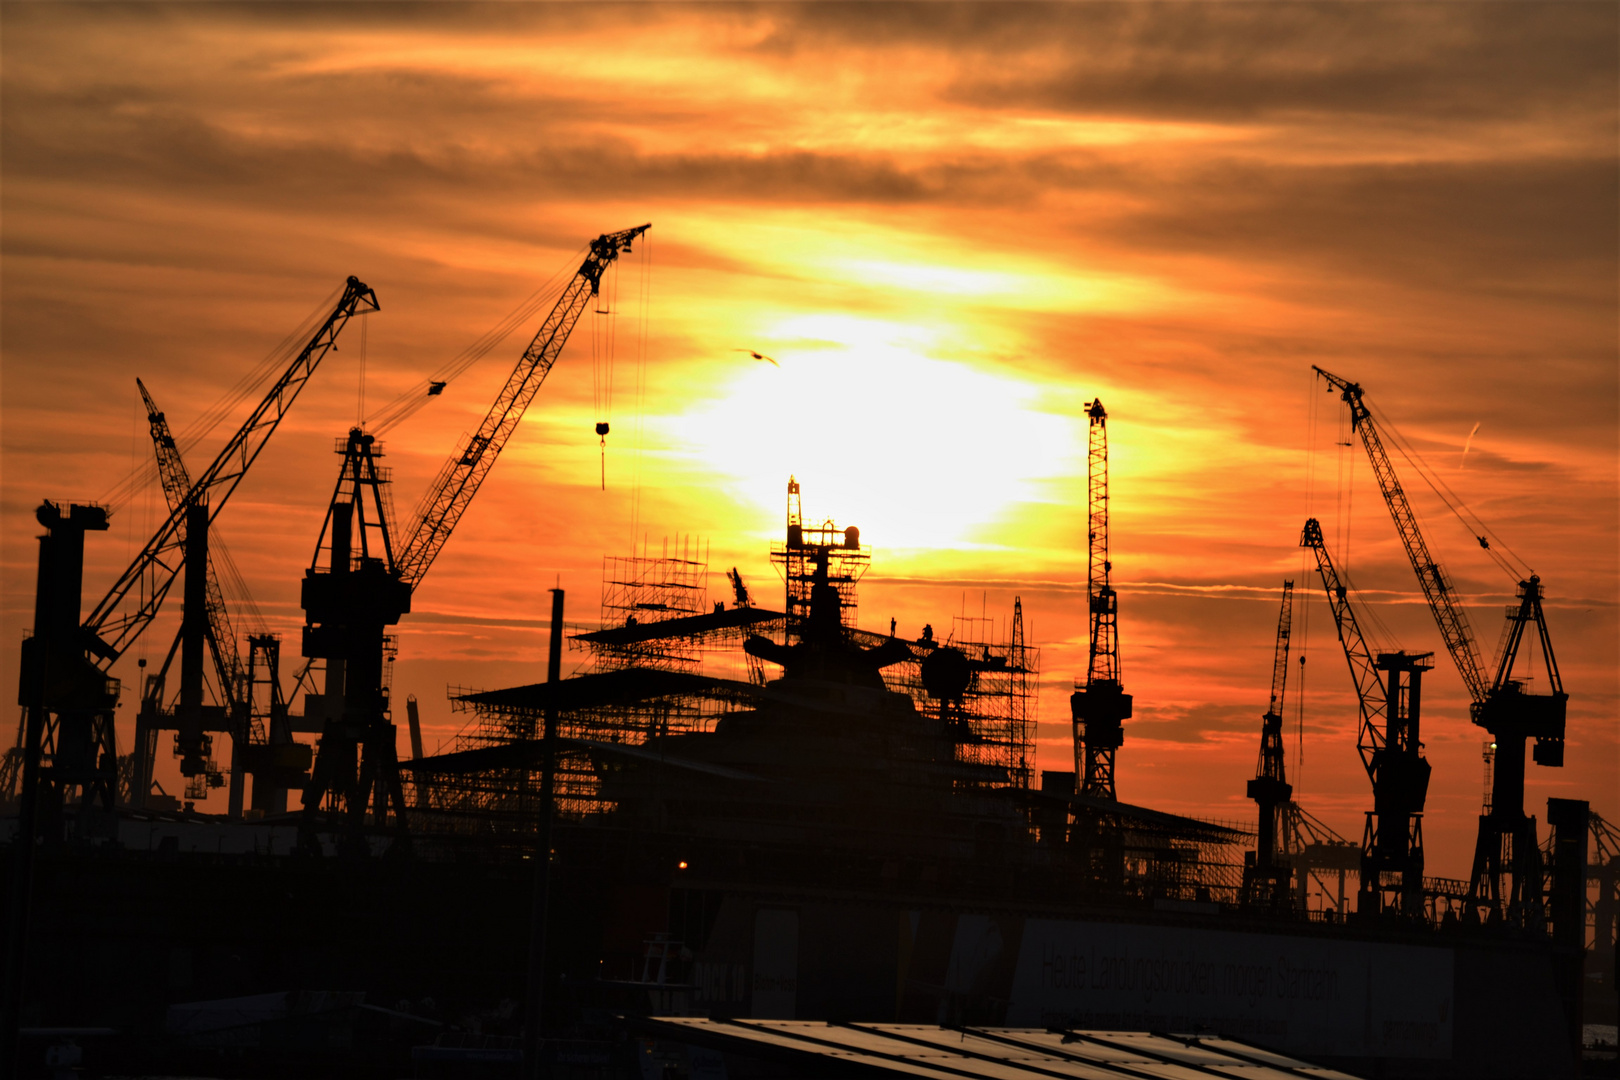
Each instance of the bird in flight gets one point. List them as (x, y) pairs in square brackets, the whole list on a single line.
[(758, 356)]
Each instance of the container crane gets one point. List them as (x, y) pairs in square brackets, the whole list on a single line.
[(1268, 878), (366, 585), (1389, 693), (70, 730), (1506, 874), (1099, 707)]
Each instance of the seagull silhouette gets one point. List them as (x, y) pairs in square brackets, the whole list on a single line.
[(758, 356)]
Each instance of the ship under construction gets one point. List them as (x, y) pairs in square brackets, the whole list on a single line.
[(737, 809)]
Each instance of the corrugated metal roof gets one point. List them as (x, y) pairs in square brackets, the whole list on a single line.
[(971, 1053)]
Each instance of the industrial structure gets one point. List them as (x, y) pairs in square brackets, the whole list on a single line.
[(76, 726), (1389, 695), (743, 808), (646, 682), (1099, 707), (1505, 882), (366, 585), (1267, 878)]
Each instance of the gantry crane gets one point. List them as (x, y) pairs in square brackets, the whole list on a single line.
[(1506, 844), (366, 584), (1099, 707), (71, 701), (1267, 880), (1389, 694)]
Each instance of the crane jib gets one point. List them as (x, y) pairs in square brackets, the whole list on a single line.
[(176, 484), (460, 477), (1371, 694), (1437, 590), (107, 634)]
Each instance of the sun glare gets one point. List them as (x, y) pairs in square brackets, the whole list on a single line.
[(920, 453)]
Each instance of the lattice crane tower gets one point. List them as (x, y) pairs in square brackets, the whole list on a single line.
[(1099, 707)]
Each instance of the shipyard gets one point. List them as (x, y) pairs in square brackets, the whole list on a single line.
[(665, 586)]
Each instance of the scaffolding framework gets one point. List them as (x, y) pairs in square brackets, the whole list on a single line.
[(660, 594), (656, 616), (638, 589), (795, 559), (995, 718)]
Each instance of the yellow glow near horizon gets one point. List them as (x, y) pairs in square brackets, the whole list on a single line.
[(918, 452)]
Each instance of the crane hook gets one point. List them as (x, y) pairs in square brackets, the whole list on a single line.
[(602, 432)]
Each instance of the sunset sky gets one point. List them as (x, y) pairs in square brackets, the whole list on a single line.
[(951, 227)]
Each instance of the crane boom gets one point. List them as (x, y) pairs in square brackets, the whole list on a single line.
[(1436, 585), (1389, 689), (458, 481), (1363, 671), (176, 483), (1510, 883), (1279, 656), (107, 633)]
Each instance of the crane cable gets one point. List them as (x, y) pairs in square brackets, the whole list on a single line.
[(360, 408), (1312, 411), (604, 338), (247, 387), (421, 393), (1452, 500), (640, 386)]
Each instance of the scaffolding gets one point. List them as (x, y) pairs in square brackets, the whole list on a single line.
[(680, 664), (638, 589), (656, 617), (796, 557), (994, 720)]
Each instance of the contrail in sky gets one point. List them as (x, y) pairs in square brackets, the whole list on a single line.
[(1466, 442)]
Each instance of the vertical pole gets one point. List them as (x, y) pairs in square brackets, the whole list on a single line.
[(532, 1042), (144, 752), (238, 788), (194, 613), (1569, 821), (189, 736), (415, 719)]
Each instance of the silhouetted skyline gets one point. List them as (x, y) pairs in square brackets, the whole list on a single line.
[(949, 227)]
